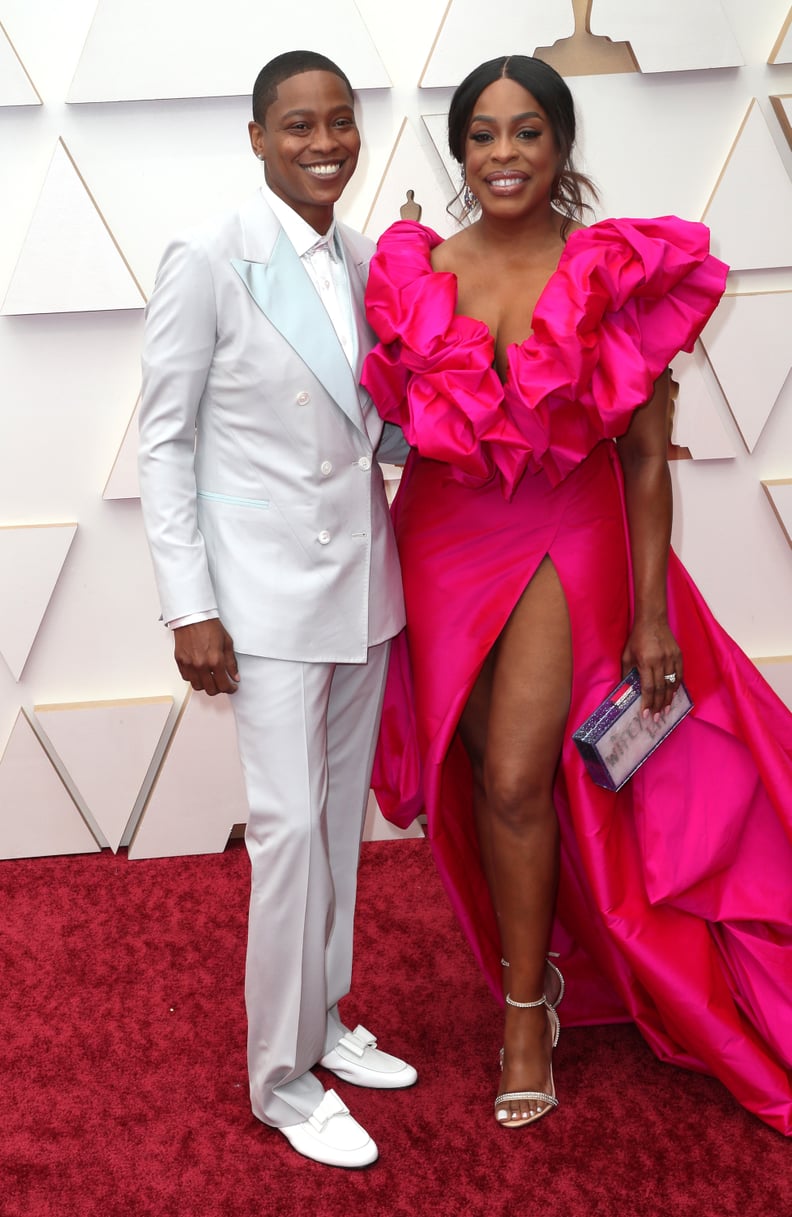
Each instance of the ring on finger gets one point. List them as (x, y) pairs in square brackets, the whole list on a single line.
[(670, 678)]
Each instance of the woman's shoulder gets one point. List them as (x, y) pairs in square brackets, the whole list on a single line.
[(450, 253)]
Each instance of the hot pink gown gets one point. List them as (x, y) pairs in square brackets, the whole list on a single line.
[(675, 901)]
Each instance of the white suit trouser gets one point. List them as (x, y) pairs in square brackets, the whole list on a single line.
[(307, 733)]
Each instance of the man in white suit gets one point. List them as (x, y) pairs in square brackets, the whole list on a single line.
[(277, 570)]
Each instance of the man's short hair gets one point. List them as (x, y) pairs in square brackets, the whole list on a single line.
[(283, 67)]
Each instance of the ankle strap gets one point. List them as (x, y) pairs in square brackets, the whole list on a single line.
[(526, 1005)]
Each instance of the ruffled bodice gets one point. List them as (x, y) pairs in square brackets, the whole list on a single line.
[(626, 297)]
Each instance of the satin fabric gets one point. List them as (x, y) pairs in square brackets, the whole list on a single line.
[(675, 906)]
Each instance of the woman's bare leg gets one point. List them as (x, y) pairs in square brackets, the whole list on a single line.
[(513, 729)]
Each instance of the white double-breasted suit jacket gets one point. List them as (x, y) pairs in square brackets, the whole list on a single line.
[(261, 491)]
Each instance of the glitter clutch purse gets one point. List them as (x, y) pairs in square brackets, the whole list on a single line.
[(616, 738)]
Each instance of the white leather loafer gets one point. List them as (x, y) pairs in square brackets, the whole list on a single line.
[(357, 1059), (331, 1136)]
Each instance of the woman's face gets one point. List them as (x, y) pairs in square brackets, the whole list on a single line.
[(511, 158)]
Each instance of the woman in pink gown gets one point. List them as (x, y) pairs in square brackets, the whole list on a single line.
[(526, 360)]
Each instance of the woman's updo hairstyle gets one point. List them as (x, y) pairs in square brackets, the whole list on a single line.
[(553, 95)]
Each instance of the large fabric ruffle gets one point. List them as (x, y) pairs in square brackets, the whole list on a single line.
[(627, 296)]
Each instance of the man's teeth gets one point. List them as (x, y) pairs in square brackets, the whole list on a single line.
[(324, 170)]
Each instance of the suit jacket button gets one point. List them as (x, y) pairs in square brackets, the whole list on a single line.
[(326, 468), (364, 462), (303, 398), (324, 537)]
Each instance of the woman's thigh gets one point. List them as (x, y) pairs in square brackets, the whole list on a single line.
[(514, 721)]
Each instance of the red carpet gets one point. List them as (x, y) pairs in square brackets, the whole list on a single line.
[(123, 1087)]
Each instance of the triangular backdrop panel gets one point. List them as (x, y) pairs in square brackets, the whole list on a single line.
[(31, 559), (69, 260), (751, 204), (777, 671), (782, 51), (669, 35), (782, 104), (747, 343), (377, 828), (106, 749), (779, 492), (412, 166), (123, 482), (16, 87), (140, 50), (472, 33), (698, 425), (38, 817), (198, 795), (437, 126)]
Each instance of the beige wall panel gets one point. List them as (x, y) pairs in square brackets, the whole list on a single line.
[(699, 422), (751, 204), (470, 34), (107, 749), (377, 827), (669, 35), (155, 178), (123, 482), (777, 671), (37, 815), (69, 261), (16, 87), (413, 165), (404, 34), (31, 560), (782, 50), (727, 535), (198, 795), (748, 344), (139, 49), (782, 106), (780, 496)]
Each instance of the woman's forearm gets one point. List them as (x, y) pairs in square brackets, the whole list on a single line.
[(648, 498)]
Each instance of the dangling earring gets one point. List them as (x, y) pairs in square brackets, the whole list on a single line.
[(469, 200)]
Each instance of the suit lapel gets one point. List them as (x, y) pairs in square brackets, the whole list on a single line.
[(281, 287)]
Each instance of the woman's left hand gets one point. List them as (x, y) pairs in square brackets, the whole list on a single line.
[(653, 650)]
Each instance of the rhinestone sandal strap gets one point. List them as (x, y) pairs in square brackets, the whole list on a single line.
[(517, 1096), (526, 1005)]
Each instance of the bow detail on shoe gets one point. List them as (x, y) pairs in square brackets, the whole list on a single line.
[(358, 1041), (330, 1106)]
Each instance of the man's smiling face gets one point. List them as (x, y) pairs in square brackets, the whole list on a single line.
[(310, 144)]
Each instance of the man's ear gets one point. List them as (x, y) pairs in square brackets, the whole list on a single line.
[(256, 133)]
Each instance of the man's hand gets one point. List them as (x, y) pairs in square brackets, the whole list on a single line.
[(204, 654)]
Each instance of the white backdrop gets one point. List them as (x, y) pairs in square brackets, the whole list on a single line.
[(124, 120)]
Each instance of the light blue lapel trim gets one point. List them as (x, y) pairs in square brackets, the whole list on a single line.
[(283, 291)]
